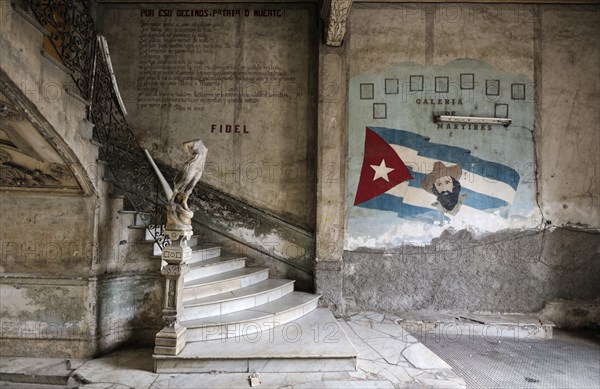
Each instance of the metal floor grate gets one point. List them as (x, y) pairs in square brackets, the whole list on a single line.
[(570, 360)]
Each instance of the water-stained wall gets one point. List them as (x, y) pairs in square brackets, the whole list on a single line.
[(73, 283), (524, 229), (70, 285), (47, 236), (241, 77)]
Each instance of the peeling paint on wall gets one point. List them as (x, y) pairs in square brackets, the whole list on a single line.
[(509, 271), (412, 176)]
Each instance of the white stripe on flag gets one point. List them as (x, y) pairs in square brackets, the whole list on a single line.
[(421, 198), (469, 180)]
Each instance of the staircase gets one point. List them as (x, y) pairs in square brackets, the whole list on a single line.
[(240, 320), (237, 318)]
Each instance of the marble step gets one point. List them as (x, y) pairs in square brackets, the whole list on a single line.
[(204, 251), (260, 318), (224, 282), (237, 300), (213, 266), (156, 229), (140, 219), (200, 252), (312, 343), (156, 250), (27, 372)]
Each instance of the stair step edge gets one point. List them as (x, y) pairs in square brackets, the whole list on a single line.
[(195, 283), (259, 314), (217, 299), (221, 260)]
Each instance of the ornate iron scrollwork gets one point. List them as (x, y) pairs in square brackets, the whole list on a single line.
[(72, 35), (131, 172)]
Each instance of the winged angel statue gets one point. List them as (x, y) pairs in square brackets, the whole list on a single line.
[(179, 215)]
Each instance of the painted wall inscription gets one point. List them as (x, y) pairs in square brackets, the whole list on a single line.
[(412, 176), (175, 68), (238, 76)]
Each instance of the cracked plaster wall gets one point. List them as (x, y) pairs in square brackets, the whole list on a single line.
[(237, 68), (519, 269), (516, 270), (70, 284)]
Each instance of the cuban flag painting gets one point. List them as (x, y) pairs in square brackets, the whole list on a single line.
[(406, 173), (413, 177)]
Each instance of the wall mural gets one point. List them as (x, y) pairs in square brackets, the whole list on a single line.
[(412, 175)]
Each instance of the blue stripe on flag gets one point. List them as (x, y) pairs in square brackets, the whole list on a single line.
[(457, 155), (473, 199)]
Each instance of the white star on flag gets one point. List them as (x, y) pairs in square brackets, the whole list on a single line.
[(382, 171)]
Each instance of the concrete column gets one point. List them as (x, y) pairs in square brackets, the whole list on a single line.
[(331, 177)]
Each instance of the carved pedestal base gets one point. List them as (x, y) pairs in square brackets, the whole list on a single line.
[(170, 341), (176, 254)]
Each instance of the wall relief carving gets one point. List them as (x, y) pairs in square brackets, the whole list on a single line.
[(33, 157), (335, 14)]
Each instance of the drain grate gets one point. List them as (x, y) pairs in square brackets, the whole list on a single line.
[(570, 360)]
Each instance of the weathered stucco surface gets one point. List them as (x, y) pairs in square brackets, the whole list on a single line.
[(253, 66), (47, 235), (46, 86), (331, 177), (504, 272), (129, 308), (569, 128), (59, 253), (74, 281), (47, 316), (47, 240), (518, 269)]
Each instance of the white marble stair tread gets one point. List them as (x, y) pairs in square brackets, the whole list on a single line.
[(237, 300), (214, 266), (314, 342), (227, 276), (216, 261), (204, 251), (252, 290), (290, 302), (204, 246), (223, 282), (328, 340)]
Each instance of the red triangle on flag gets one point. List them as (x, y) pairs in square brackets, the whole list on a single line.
[(382, 169)]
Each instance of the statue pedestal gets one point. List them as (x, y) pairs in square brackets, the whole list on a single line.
[(171, 339), (176, 254)]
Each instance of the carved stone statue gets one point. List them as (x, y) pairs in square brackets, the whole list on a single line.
[(171, 339), (190, 172), (179, 215)]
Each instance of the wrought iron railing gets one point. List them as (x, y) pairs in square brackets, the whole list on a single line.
[(71, 33), (73, 40), (131, 172)]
